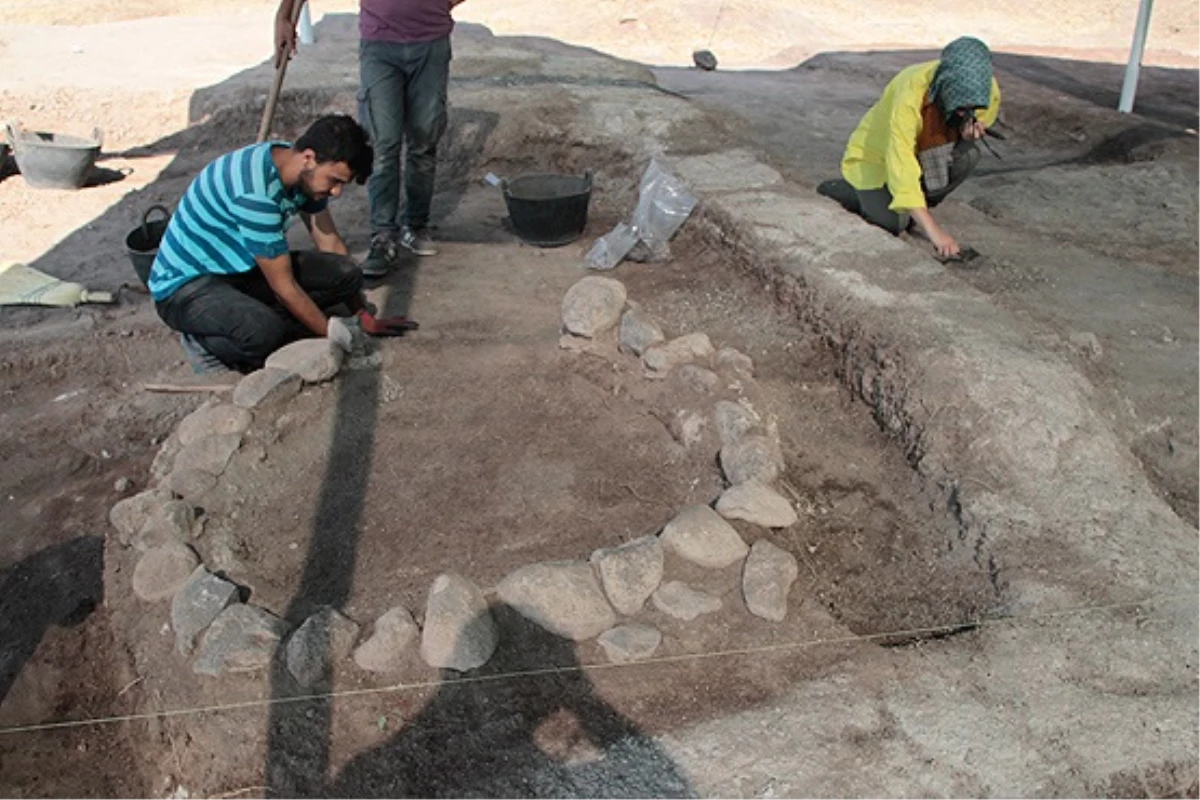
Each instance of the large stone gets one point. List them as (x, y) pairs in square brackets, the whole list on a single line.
[(314, 360), (241, 639), (129, 515), (266, 387), (756, 503), (210, 454), (698, 379), (734, 361), (563, 597), (699, 535), (630, 572), (216, 420), (173, 521), (163, 570), (766, 580), (677, 599), (321, 640), (191, 484), (460, 632), (197, 604), (735, 421), (638, 332), (592, 306), (626, 643), (677, 352), (751, 458), (394, 633)]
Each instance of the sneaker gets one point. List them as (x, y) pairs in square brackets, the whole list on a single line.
[(380, 259), (418, 241), (201, 361)]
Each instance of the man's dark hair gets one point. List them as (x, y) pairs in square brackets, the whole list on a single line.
[(338, 137)]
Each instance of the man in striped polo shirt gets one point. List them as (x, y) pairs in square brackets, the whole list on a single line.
[(224, 276)]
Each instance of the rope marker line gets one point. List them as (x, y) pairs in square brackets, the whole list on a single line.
[(577, 668)]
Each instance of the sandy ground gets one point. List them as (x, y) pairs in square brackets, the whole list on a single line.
[(76, 421)]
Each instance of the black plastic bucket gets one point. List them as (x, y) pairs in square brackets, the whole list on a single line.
[(143, 241), (548, 210)]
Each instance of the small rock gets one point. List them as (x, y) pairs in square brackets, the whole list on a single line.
[(705, 60), (766, 580), (593, 305), (665, 357), (638, 332), (677, 599), (241, 639), (1088, 345), (129, 515), (752, 458), (626, 643), (460, 632), (735, 361), (734, 421), (394, 633), (215, 420), (756, 503), (577, 344), (173, 521), (630, 572), (210, 454), (321, 640), (164, 459), (191, 484), (699, 535), (122, 485), (314, 360), (698, 379), (266, 387), (687, 427), (197, 604), (163, 570), (563, 597)]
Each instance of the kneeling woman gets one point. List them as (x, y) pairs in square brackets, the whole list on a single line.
[(917, 144)]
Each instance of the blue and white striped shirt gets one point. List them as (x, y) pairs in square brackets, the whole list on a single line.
[(236, 210)]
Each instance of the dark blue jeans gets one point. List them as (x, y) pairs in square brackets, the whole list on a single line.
[(402, 105), (239, 320)]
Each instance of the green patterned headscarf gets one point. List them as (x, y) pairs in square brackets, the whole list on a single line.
[(963, 78)]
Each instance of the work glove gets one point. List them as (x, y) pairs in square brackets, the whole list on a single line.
[(385, 326), (340, 334)]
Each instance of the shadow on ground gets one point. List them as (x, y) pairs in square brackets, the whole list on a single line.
[(60, 585)]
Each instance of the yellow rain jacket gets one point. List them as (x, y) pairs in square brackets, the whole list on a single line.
[(883, 148)]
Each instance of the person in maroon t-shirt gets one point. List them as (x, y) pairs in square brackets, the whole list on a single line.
[(404, 71)]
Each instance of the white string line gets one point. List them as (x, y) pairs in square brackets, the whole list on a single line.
[(575, 668)]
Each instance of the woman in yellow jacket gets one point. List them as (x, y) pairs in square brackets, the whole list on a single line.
[(917, 144)]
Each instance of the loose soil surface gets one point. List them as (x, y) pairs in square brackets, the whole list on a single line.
[(478, 445)]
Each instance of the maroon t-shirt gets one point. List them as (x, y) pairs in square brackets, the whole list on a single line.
[(404, 20)]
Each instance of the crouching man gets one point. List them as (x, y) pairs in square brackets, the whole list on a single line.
[(224, 277)]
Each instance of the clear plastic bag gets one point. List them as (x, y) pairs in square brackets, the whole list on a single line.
[(664, 203)]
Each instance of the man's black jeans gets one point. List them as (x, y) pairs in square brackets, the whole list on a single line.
[(238, 319)]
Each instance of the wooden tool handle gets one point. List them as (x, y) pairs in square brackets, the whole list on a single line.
[(273, 98)]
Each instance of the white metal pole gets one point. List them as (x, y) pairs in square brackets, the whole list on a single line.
[(1129, 87), (306, 28)]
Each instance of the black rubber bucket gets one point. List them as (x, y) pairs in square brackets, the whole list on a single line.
[(548, 210), (143, 241), (52, 160)]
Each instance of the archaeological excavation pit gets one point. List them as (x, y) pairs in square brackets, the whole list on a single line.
[(490, 441)]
